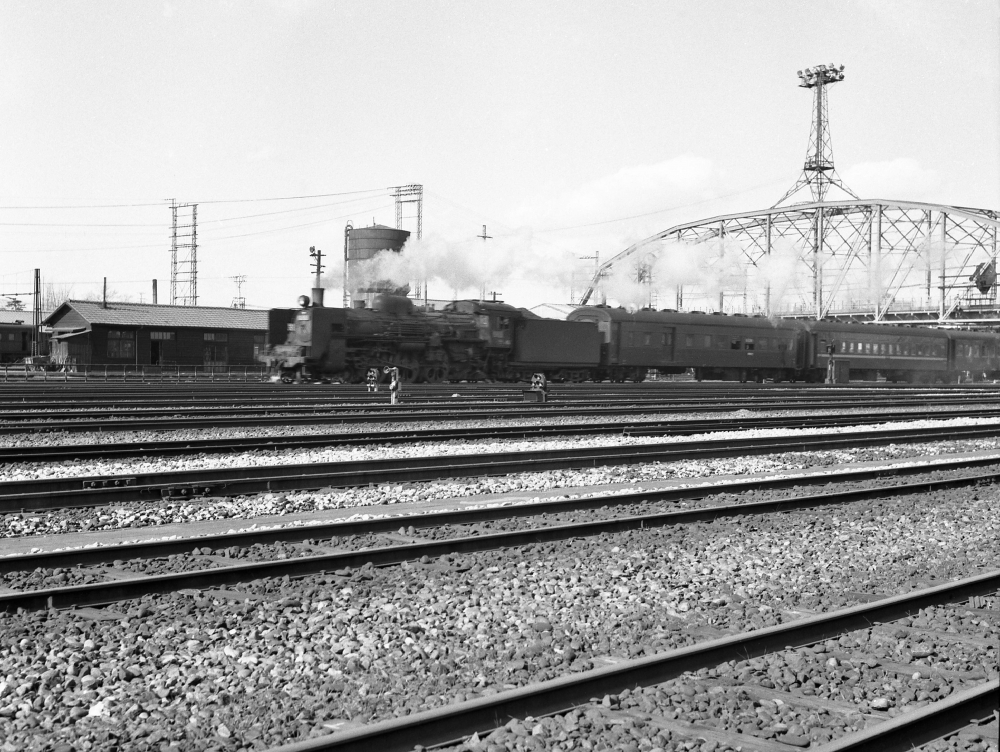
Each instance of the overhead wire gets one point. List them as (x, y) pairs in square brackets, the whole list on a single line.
[(167, 202)]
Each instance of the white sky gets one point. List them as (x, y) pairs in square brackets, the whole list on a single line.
[(553, 123)]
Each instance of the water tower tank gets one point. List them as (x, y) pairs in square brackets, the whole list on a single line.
[(363, 244)]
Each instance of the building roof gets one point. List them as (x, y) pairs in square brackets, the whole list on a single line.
[(148, 314), (13, 317)]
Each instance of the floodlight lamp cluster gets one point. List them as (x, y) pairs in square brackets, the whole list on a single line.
[(821, 74)]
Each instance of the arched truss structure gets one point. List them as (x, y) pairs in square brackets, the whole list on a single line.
[(872, 259)]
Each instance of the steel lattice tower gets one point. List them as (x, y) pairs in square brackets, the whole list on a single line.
[(818, 171), (411, 194), (184, 257)]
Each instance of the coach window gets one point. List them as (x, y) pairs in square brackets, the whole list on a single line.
[(708, 340), (121, 344), (688, 340), (629, 341), (648, 340), (749, 344), (735, 344)]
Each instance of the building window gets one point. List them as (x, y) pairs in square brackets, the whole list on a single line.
[(216, 355), (121, 344), (216, 336), (161, 335)]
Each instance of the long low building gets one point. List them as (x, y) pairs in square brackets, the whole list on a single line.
[(86, 332)]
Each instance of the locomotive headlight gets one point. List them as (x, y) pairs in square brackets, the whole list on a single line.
[(303, 301)]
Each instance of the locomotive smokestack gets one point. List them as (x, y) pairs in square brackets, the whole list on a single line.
[(318, 297)]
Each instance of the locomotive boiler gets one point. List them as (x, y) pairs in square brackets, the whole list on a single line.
[(468, 340)]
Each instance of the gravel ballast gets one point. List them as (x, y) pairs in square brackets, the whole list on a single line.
[(281, 457), (577, 482), (279, 659)]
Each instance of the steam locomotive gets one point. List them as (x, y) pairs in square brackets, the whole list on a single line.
[(473, 340)]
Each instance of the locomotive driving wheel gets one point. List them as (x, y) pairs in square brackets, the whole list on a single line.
[(435, 367), (433, 373), (409, 368)]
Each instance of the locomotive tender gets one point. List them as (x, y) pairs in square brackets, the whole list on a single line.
[(474, 340)]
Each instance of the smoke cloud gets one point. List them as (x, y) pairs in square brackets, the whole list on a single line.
[(705, 270), (466, 266)]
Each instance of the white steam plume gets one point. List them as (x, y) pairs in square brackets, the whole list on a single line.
[(466, 265)]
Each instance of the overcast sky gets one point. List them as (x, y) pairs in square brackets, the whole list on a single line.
[(568, 128)]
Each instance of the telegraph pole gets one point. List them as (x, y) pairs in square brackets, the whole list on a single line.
[(239, 301), (318, 284), (482, 289)]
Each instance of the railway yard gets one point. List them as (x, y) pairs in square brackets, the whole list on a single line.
[(646, 567)]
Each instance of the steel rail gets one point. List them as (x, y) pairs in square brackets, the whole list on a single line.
[(116, 400), (377, 412), (36, 495), (29, 412), (124, 589), (50, 453), (456, 722), (913, 729)]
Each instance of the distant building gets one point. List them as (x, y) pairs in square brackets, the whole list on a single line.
[(15, 335), (87, 332)]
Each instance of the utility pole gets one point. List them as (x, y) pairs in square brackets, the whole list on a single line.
[(239, 301), (347, 244), (482, 289), (318, 284)]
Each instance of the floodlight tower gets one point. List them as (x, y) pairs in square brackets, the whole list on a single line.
[(818, 171)]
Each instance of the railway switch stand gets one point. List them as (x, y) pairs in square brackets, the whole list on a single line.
[(393, 384)]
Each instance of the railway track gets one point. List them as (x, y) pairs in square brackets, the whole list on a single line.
[(175, 641), (115, 411), (225, 572), (457, 723), (50, 453), (171, 419), (35, 495)]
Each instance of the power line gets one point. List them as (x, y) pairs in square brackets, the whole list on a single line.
[(660, 211), (204, 236), (212, 201)]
